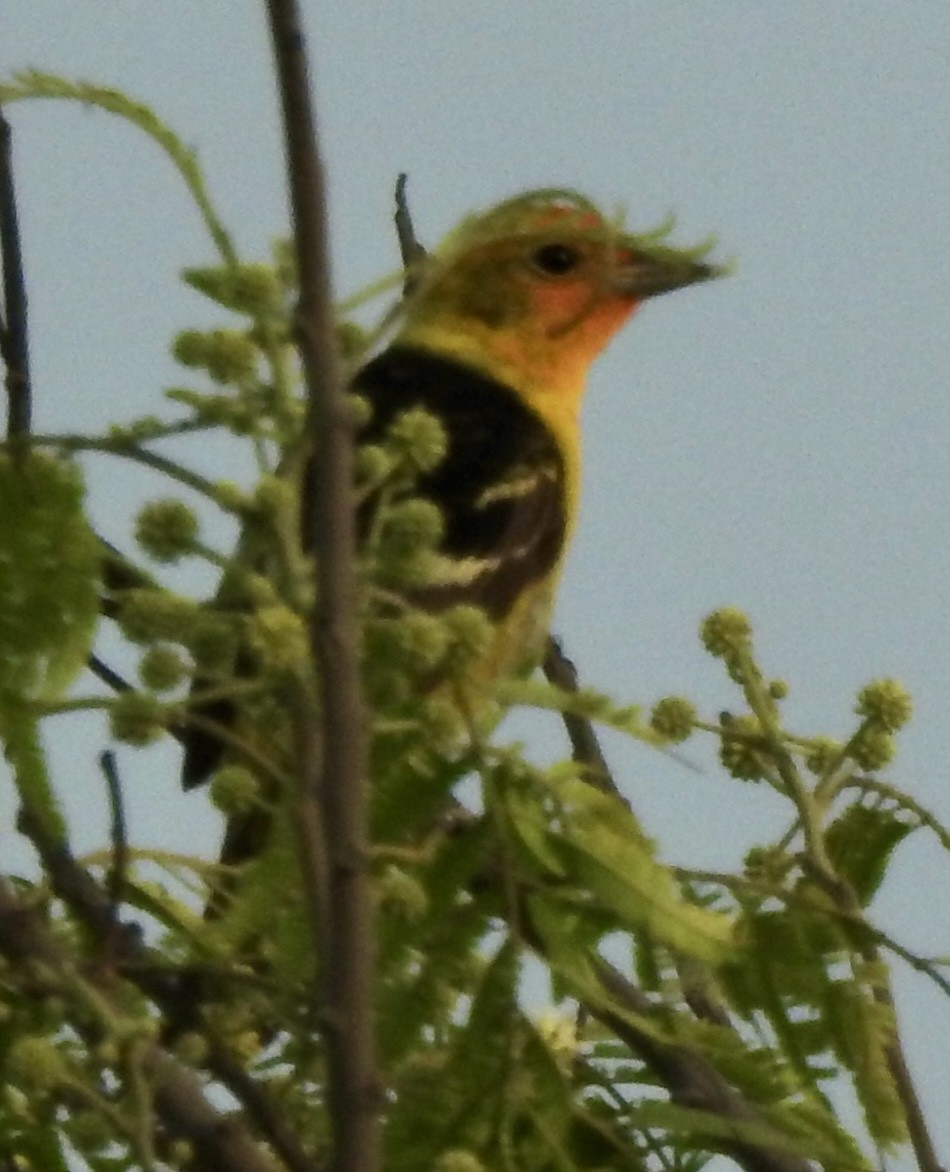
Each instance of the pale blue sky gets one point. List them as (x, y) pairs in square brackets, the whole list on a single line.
[(776, 441)]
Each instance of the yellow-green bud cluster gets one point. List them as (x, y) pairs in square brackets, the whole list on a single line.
[(278, 636), (136, 718), (255, 289), (229, 356), (673, 718), (416, 642), (146, 616), (231, 497), (212, 641), (406, 541), (274, 496), (725, 632), (162, 668), (886, 704), (418, 440), (166, 530), (823, 752), (470, 633), (234, 789), (352, 339), (741, 749), (374, 465), (767, 864), (872, 748)]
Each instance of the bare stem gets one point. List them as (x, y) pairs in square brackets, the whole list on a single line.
[(331, 735), (14, 336)]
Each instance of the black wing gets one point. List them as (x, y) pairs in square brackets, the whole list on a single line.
[(500, 489)]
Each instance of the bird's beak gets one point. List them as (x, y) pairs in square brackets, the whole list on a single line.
[(641, 273)]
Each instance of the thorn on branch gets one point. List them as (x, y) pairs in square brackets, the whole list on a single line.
[(411, 251), (14, 336)]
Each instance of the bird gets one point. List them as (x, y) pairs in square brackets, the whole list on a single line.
[(495, 340)]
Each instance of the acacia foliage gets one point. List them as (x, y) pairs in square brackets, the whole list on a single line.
[(690, 1013)]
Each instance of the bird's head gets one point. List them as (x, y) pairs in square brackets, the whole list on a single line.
[(533, 289)]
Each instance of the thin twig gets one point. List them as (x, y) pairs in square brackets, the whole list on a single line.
[(101, 670), (331, 736), (14, 335), (221, 1140), (179, 999), (410, 249), (118, 832), (585, 747)]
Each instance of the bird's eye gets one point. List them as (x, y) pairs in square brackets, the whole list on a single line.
[(555, 260)]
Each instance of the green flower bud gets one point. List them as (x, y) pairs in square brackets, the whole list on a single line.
[(232, 497), (885, 703), (374, 464), (232, 356), (275, 495), (778, 689), (246, 288), (725, 631), (190, 348), (234, 789), (767, 864), (352, 340), (279, 637), (673, 718), (418, 440), (822, 751), (470, 633), (229, 356), (162, 668), (740, 750), (212, 641), (411, 525), (137, 718), (147, 615), (872, 748), (166, 530)]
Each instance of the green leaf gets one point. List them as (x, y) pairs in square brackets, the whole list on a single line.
[(49, 563), (602, 848), (860, 843), (863, 1029), (723, 1133), (35, 84)]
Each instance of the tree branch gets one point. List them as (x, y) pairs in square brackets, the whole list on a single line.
[(14, 335), (331, 736), (179, 998), (218, 1141), (585, 747)]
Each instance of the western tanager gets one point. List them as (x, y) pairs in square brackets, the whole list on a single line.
[(495, 340)]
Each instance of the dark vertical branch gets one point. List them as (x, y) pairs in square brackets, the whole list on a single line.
[(14, 338), (585, 747), (118, 831), (410, 249), (331, 740)]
